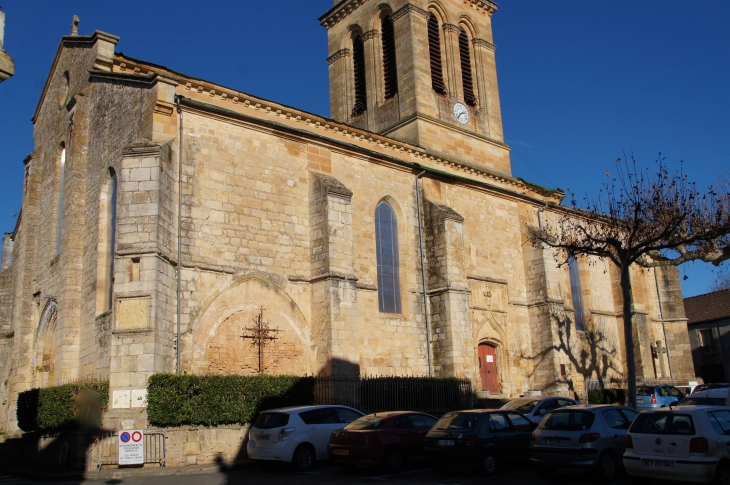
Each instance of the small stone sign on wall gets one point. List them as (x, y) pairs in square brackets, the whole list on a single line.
[(132, 314)]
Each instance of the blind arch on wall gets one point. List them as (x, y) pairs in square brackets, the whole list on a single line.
[(386, 242)]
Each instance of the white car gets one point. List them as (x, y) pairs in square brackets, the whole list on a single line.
[(536, 408), (297, 435), (708, 397), (685, 443)]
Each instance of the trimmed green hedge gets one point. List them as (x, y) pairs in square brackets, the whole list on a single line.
[(606, 396), (51, 409), (211, 400)]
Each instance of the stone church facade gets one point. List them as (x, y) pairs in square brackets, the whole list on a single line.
[(154, 201)]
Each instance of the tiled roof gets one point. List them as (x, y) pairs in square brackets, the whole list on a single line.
[(710, 306)]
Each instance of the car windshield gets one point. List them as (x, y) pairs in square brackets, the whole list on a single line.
[(644, 391), (457, 422), (569, 420), (271, 420), (702, 401), (525, 406), (367, 422)]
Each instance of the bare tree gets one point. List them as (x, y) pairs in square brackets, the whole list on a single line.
[(722, 279), (643, 218)]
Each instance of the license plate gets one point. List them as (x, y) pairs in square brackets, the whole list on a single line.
[(553, 441), (446, 442), (341, 452), (262, 437), (665, 464), (640, 400)]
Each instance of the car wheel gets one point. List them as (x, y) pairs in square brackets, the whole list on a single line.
[(304, 457), (488, 463), (392, 460), (545, 470), (722, 474), (607, 466)]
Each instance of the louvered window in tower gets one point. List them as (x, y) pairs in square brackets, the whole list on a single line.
[(389, 71), (434, 50), (466, 75), (358, 55)]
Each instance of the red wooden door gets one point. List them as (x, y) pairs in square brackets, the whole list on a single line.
[(488, 367)]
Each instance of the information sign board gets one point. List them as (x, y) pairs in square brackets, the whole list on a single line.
[(131, 447)]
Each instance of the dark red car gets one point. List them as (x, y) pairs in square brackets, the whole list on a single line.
[(386, 439)]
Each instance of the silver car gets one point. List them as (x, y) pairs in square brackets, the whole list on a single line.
[(590, 436), (536, 408)]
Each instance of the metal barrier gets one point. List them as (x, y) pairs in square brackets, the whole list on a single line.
[(105, 449)]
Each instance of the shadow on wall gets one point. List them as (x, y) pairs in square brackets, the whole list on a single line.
[(589, 356), (66, 450)]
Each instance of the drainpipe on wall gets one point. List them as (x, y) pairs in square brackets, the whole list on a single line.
[(664, 328), (423, 275), (179, 223)]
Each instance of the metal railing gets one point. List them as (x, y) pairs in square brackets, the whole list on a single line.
[(105, 449), (618, 383), (378, 394)]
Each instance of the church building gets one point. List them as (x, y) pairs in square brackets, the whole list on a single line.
[(162, 214)]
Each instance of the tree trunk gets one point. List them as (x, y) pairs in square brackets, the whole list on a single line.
[(629, 333)]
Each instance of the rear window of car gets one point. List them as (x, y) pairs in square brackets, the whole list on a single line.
[(525, 406), (702, 401), (367, 422), (271, 420), (663, 423), (720, 421), (568, 420), (457, 422), (644, 391)]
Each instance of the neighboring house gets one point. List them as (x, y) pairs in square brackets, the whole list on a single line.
[(708, 323), (319, 220)]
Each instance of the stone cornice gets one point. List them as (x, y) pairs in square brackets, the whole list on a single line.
[(338, 55), (410, 9), (452, 28), (339, 12), (370, 34), (485, 6), (485, 44)]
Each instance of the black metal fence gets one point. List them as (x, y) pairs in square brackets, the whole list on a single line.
[(379, 394)]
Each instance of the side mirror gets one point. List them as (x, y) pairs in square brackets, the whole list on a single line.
[(541, 412)]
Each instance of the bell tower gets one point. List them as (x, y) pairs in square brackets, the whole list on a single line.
[(419, 71)]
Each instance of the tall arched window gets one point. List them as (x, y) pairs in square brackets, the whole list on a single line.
[(466, 75), (358, 58), (434, 50), (106, 243), (61, 182), (389, 64), (386, 242), (576, 290)]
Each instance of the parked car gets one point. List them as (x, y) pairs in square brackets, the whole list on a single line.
[(536, 408), (482, 437), (586, 436), (660, 396), (298, 435), (711, 385), (719, 396), (686, 443), (386, 439)]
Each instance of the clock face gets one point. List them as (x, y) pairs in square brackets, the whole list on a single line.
[(461, 113)]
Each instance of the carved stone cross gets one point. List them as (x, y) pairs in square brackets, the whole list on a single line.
[(259, 334), (657, 350)]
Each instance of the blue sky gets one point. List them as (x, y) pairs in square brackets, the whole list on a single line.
[(580, 81)]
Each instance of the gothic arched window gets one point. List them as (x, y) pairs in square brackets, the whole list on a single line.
[(576, 290), (59, 220), (386, 242), (358, 61), (466, 74), (434, 50), (389, 64), (106, 244)]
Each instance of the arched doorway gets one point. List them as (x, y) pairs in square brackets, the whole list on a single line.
[(488, 367), (44, 357)]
